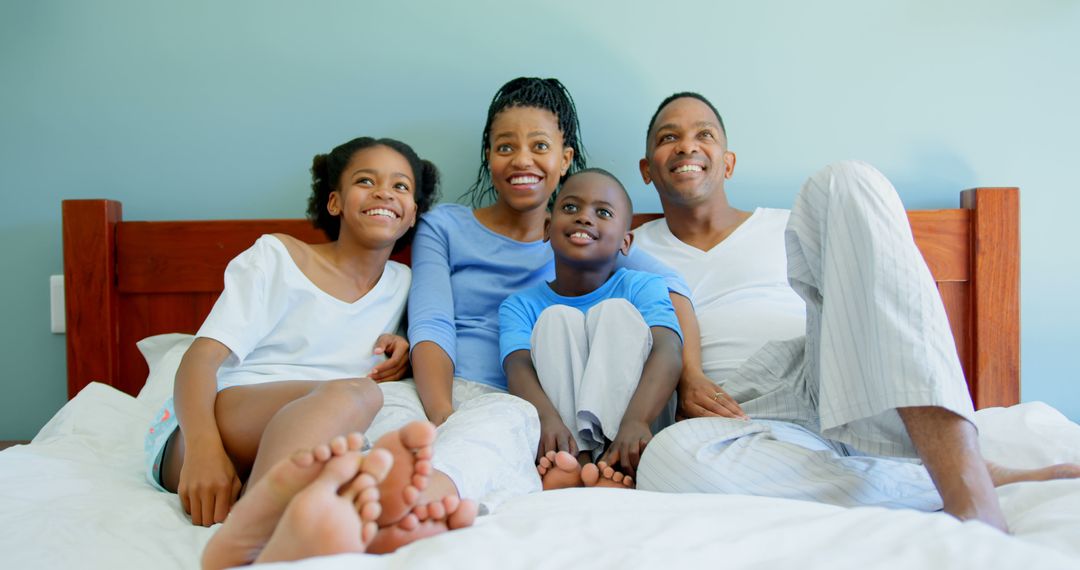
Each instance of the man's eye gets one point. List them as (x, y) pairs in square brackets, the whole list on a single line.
[(707, 135), (667, 138)]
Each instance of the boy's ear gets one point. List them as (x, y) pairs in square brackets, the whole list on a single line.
[(547, 228), (627, 241)]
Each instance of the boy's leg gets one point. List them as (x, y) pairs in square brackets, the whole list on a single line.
[(560, 350), (879, 346), (619, 343)]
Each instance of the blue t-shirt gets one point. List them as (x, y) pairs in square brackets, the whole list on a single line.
[(462, 271), (645, 291)]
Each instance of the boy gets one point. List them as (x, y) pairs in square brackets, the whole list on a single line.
[(598, 351)]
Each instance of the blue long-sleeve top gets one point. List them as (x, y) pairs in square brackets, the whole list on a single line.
[(462, 271)]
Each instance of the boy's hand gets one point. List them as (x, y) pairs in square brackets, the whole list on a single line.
[(700, 397), (208, 484), (555, 436), (396, 350), (625, 450)]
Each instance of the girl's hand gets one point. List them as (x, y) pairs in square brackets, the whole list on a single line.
[(396, 349), (208, 484), (555, 436), (625, 450), (700, 397)]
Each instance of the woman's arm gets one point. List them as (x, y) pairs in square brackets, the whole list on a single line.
[(434, 376), (699, 396)]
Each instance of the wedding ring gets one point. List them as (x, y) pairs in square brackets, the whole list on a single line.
[(716, 396)]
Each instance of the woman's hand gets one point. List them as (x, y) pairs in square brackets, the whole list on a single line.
[(208, 484), (700, 397), (396, 349), (555, 436)]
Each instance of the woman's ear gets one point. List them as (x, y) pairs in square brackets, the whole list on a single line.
[(568, 159)]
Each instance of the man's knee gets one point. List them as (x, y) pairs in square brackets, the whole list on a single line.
[(849, 178)]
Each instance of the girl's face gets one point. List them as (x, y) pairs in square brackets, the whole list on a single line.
[(527, 156), (375, 196)]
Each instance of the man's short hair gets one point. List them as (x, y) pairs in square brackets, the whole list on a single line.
[(684, 95)]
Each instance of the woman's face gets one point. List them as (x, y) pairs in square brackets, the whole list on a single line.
[(526, 157)]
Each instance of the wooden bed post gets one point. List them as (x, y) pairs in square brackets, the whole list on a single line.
[(995, 295), (91, 290)]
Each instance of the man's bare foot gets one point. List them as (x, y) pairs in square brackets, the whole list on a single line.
[(254, 517), (335, 514), (425, 521), (411, 447), (1004, 475), (603, 475), (559, 470)]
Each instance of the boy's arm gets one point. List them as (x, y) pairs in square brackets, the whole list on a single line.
[(699, 396), (659, 377), (522, 381)]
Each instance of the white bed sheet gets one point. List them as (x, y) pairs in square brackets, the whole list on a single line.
[(75, 497)]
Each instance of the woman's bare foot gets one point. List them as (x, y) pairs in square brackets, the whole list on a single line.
[(411, 447), (603, 475), (254, 517), (425, 521), (335, 514), (559, 470), (1004, 475)]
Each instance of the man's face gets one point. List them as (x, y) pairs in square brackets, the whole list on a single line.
[(686, 155)]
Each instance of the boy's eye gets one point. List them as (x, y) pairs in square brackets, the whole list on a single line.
[(605, 213), (569, 208)]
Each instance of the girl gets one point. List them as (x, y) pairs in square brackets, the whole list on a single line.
[(288, 356), (465, 262)]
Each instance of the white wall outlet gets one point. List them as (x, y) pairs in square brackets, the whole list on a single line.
[(56, 304)]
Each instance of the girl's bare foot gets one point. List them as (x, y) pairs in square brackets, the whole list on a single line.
[(423, 521), (411, 447), (559, 470), (254, 517), (335, 514), (603, 475), (1004, 475)]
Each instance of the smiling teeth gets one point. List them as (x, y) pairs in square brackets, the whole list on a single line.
[(524, 180), (688, 168), (381, 212), (581, 235)]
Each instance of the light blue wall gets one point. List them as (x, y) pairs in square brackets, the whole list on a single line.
[(214, 109)]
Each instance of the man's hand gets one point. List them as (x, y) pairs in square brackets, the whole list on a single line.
[(625, 450), (396, 350), (208, 484), (555, 436), (700, 397)]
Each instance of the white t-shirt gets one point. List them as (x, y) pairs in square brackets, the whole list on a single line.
[(739, 288), (280, 326)]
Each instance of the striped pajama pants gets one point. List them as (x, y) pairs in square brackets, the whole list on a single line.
[(824, 423)]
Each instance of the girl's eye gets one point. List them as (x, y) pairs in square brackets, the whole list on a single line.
[(401, 186), (365, 181), (605, 213)]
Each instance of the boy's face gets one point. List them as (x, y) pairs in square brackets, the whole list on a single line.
[(590, 221)]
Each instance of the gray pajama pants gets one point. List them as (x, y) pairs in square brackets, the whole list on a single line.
[(825, 426)]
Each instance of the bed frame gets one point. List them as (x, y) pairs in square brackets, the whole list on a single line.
[(129, 280)]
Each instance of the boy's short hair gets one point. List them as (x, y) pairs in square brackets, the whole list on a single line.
[(602, 172)]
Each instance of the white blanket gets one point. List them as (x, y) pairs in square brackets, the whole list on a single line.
[(76, 498)]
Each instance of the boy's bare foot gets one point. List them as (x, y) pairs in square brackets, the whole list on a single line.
[(335, 514), (1004, 475), (603, 475), (559, 470), (411, 447), (424, 521), (254, 517)]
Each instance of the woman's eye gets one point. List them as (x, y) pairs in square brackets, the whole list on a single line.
[(503, 148), (542, 146)]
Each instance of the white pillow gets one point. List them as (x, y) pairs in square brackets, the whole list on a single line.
[(162, 353)]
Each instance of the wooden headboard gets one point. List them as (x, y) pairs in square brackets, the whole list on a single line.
[(128, 280)]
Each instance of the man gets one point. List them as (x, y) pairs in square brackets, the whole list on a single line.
[(838, 413)]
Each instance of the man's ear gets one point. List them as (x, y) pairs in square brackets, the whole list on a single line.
[(729, 164), (643, 166), (547, 228), (627, 241)]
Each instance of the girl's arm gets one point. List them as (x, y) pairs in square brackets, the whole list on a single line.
[(659, 377), (431, 320), (522, 381), (209, 484)]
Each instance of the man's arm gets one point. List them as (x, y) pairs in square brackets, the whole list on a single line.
[(698, 395)]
